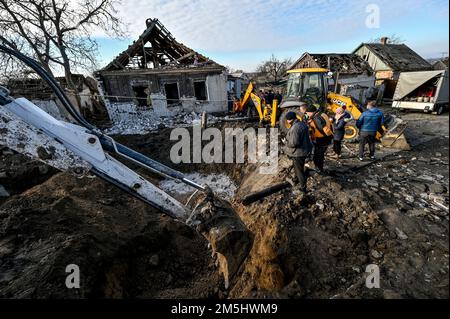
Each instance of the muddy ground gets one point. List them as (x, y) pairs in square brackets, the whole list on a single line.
[(391, 213)]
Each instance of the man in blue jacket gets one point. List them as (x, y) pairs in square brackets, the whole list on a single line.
[(369, 123)]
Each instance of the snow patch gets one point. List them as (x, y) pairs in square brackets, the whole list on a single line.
[(221, 184)]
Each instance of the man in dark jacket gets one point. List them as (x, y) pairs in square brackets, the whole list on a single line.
[(369, 123), (298, 147), (279, 97), (269, 97), (340, 120)]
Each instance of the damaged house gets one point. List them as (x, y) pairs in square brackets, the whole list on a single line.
[(84, 97), (352, 75), (389, 60), (159, 73)]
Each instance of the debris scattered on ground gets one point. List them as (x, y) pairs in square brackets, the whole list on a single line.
[(401, 234), (129, 119)]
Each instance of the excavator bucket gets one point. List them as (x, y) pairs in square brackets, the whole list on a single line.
[(219, 223), (395, 137)]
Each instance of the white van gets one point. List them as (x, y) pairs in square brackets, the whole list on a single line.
[(425, 90)]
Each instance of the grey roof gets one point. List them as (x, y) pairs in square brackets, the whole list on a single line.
[(399, 57)]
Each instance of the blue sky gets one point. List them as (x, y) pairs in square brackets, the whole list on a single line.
[(242, 33)]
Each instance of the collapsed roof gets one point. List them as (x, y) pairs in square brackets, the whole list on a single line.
[(398, 57), (344, 63), (156, 48)]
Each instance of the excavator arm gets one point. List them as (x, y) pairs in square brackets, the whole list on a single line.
[(264, 112), (239, 105), (82, 149)]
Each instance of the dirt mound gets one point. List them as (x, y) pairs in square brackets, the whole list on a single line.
[(123, 247)]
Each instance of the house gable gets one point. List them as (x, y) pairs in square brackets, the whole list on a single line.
[(157, 49), (305, 61), (343, 63)]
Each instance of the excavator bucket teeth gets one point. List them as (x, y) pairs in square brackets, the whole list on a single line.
[(230, 239), (395, 137)]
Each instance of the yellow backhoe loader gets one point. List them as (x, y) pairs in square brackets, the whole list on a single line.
[(267, 113)]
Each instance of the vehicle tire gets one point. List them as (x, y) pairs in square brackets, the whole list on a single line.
[(283, 123), (351, 134), (440, 110)]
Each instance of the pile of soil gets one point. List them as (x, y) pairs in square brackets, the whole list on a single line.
[(124, 248)]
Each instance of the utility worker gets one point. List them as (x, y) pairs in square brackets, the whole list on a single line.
[(321, 131), (298, 147)]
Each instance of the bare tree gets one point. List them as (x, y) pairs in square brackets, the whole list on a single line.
[(57, 32), (9, 66), (274, 68), (392, 39)]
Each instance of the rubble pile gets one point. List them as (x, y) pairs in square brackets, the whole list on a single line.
[(418, 188), (129, 119)]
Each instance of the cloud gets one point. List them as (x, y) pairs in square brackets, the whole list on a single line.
[(259, 25)]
